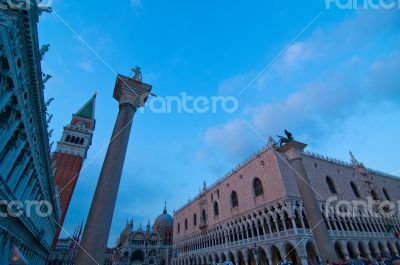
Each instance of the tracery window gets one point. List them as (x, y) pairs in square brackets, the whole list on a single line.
[(257, 187), (355, 189), (194, 219), (234, 199), (216, 209), (386, 194), (331, 185)]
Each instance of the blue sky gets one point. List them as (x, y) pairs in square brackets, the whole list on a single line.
[(336, 87)]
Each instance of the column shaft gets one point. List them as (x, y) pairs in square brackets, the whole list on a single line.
[(97, 229)]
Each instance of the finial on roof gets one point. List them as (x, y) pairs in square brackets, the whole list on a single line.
[(353, 160), (204, 185), (165, 207)]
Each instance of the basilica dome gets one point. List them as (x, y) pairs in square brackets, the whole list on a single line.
[(164, 221)]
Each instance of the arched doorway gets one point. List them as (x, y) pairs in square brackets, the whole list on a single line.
[(363, 251), (231, 257), (262, 256), (216, 258), (391, 248), (276, 255), (223, 258), (137, 257), (351, 250), (312, 253), (382, 248), (291, 254), (125, 257), (251, 258), (398, 246), (203, 260), (241, 258), (339, 251), (209, 260), (372, 249)]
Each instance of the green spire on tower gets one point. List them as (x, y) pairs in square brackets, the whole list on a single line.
[(87, 111)]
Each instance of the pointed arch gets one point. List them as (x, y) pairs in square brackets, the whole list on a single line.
[(355, 189), (386, 194), (331, 185), (216, 208), (257, 187), (234, 199)]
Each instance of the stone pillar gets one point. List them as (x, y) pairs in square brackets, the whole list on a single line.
[(293, 150), (19, 168), (236, 258), (131, 94), (24, 182), (304, 260)]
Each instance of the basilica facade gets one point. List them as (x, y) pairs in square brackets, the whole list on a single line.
[(255, 215), (152, 246)]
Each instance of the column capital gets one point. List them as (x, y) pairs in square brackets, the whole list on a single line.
[(130, 91), (293, 149)]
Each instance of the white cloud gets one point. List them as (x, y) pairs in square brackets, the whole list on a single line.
[(318, 104), (296, 53), (235, 84), (86, 65), (232, 137)]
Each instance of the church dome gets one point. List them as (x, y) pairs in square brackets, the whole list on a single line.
[(164, 221)]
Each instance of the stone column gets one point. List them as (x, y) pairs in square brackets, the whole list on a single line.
[(130, 94), (294, 150)]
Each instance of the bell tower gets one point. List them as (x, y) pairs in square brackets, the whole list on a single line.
[(70, 154)]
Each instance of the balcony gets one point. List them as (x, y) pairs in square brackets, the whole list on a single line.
[(203, 224)]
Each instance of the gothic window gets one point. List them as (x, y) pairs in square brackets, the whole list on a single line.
[(216, 209), (72, 139), (194, 219), (386, 194), (77, 140), (203, 216), (186, 224), (257, 187), (374, 195), (355, 189), (68, 138), (234, 199), (179, 227), (217, 193), (331, 185), (81, 141)]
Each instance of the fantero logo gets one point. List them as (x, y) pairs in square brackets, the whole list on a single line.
[(26, 208)]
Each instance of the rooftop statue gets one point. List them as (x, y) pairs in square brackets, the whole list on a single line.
[(284, 140), (137, 73)]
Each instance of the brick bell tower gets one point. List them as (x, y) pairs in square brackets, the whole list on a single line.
[(70, 153)]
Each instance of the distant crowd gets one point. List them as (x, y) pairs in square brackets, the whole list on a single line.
[(385, 260), (381, 260)]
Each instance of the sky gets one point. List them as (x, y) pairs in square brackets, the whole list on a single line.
[(328, 75)]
